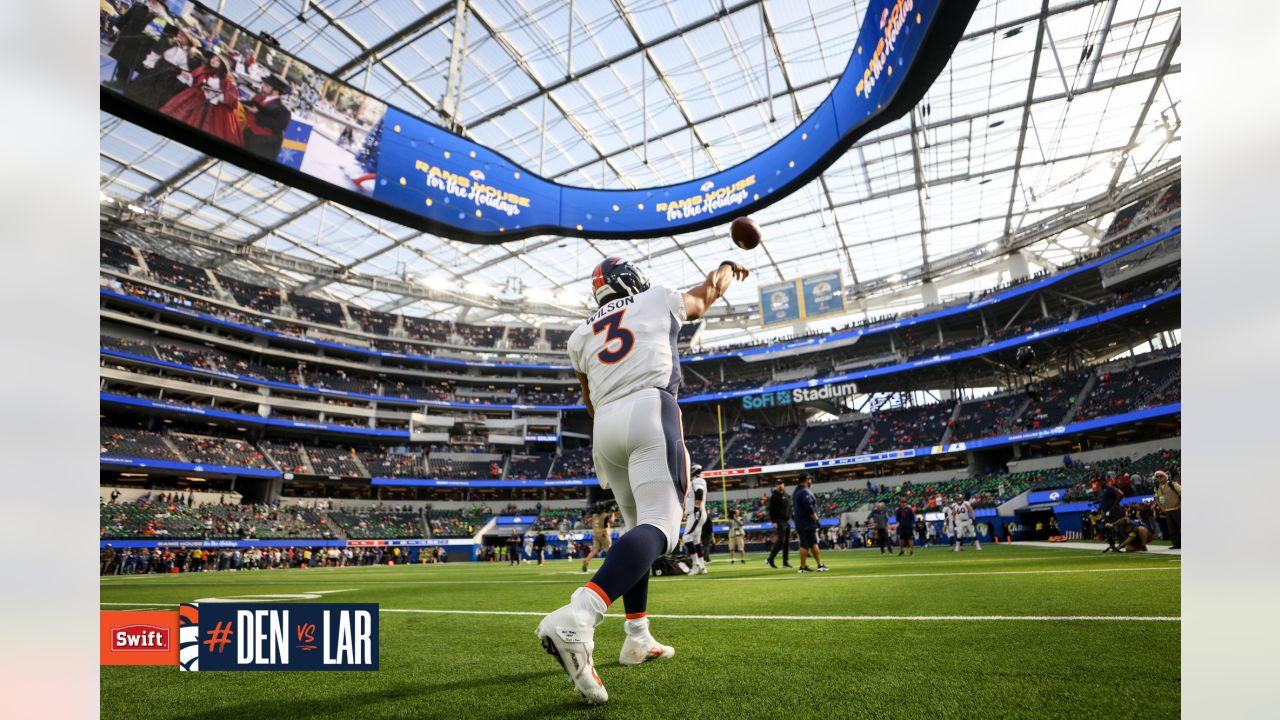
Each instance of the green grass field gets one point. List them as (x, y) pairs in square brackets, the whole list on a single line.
[(939, 635)]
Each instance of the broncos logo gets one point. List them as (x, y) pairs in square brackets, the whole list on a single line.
[(189, 637)]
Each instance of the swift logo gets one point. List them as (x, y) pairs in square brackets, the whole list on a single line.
[(132, 638), (143, 637)]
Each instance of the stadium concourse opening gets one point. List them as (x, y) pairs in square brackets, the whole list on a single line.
[(436, 308)]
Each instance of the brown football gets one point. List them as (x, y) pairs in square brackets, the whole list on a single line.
[(745, 233)]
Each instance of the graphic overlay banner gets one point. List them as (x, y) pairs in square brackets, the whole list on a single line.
[(823, 294), (244, 637), (279, 636), (780, 303), (188, 73)]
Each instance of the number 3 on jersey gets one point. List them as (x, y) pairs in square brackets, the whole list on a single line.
[(611, 326)]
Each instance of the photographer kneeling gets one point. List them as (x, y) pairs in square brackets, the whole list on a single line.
[(1135, 535)]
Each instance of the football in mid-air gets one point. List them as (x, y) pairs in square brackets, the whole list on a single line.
[(745, 233)]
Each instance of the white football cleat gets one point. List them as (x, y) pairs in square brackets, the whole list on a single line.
[(570, 638), (640, 647)]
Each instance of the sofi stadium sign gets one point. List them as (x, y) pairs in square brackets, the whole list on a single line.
[(257, 106), (797, 396)]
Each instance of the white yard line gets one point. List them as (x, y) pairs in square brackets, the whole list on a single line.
[(1097, 548)]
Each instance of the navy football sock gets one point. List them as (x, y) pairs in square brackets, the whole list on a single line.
[(629, 561), (635, 600)]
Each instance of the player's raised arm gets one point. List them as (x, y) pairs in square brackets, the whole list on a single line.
[(700, 299)]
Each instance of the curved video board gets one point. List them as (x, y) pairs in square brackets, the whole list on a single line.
[(193, 75)]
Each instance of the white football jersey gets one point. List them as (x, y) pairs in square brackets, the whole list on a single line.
[(629, 344), (696, 484), (963, 512)]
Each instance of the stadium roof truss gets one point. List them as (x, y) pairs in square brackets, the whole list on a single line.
[(1045, 109)]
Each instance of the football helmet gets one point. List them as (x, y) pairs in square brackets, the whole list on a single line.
[(615, 278)]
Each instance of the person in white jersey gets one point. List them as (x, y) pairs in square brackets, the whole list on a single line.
[(962, 516), (696, 520), (625, 357)]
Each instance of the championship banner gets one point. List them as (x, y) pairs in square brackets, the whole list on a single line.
[(823, 294), (252, 104), (211, 636), (780, 303)]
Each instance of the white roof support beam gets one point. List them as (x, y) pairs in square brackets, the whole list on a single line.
[(1166, 61), (918, 172), (1026, 117), (457, 49)]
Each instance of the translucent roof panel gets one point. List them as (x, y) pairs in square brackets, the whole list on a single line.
[(1032, 116)]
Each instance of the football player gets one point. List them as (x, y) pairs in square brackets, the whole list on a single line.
[(696, 521), (625, 357), (962, 517)]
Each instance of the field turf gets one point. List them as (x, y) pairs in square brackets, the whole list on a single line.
[(939, 635)]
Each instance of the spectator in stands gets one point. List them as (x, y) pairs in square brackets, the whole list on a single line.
[(1169, 498), (780, 516)]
